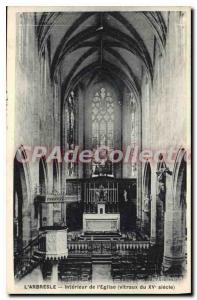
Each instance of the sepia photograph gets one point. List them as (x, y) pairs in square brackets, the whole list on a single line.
[(98, 150)]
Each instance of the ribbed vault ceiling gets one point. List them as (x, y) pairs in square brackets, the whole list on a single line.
[(116, 44)]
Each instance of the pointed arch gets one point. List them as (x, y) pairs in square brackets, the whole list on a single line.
[(147, 197), (43, 176), (174, 262), (88, 33), (147, 178), (180, 188), (22, 197), (55, 176), (179, 172), (107, 67)]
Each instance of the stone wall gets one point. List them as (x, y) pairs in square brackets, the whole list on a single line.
[(163, 124), (37, 109), (165, 117)]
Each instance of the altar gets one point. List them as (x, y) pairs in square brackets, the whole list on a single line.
[(101, 221)]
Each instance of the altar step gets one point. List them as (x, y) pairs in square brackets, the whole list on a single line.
[(28, 265), (75, 269), (102, 258), (88, 236), (101, 238), (98, 233)]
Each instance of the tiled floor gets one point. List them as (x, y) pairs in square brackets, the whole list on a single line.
[(101, 272), (35, 277)]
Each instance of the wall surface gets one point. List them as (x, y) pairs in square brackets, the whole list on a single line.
[(162, 124), (165, 127)]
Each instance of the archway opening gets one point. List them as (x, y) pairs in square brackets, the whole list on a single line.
[(42, 176), (20, 199), (180, 248), (147, 199), (55, 176)]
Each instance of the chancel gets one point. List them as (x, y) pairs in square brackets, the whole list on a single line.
[(105, 216), (103, 80)]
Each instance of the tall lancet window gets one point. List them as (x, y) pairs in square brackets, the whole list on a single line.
[(133, 129), (71, 129), (103, 119), (102, 108)]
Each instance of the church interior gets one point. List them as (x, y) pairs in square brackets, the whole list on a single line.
[(116, 79)]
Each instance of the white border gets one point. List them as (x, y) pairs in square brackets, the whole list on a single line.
[(3, 4)]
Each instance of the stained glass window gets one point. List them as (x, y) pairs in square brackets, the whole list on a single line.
[(70, 120), (71, 128), (102, 119), (133, 119), (133, 129)]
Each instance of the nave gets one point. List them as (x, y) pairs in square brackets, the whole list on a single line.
[(113, 82)]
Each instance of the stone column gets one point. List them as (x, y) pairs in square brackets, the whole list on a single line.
[(159, 220), (50, 214), (64, 212), (50, 176), (81, 106), (146, 221), (139, 195), (54, 274), (174, 237), (153, 206), (126, 167), (26, 227), (34, 171)]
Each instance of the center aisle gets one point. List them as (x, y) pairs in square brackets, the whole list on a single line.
[(101, 273)]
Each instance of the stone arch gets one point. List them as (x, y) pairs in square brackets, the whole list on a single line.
[(147, 197), (162, 174), (179, 175), (175, 246), (43, 182), (180, 186), (55, 176), (147, 178), (179, 191), (21, 203)]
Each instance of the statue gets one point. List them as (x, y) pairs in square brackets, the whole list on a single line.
[(103, 193), (125, 196), (161, 177), (147, 203)]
